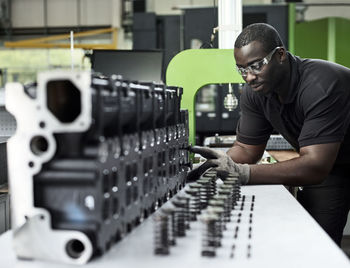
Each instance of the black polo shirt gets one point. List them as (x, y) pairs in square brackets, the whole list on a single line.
[(315, 111)]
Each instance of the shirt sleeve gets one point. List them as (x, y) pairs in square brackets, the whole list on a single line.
[(327, 117), (252, 128)]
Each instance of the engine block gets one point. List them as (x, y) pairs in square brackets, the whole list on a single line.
[(92, 157)]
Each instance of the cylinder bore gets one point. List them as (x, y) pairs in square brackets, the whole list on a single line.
[(39, 145), (75, 248), (63, 100)]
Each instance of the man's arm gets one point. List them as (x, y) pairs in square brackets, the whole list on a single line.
[(311, 167), (246, 154)]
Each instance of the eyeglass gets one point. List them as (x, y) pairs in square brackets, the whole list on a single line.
[(256, 67)]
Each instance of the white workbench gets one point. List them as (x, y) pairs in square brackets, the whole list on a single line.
[(283, 235)]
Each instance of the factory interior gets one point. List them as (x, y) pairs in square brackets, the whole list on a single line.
[(104, 102)]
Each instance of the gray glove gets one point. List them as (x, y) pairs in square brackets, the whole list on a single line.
[(220, 162)]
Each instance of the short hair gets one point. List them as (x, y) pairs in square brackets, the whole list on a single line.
[(261, 32)]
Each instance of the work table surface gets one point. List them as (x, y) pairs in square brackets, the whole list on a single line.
[(282, 234)]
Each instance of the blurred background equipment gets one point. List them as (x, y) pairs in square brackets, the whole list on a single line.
[(140, 65), (192, 29), (211, 114), (230, 101)]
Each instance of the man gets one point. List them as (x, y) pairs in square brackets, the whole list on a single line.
[(308, 102)]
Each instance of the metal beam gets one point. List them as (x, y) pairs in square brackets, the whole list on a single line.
[(46, 42)]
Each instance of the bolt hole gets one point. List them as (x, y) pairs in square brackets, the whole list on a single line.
[(42, 124), (31, 164), (75, 248), (39, 145)]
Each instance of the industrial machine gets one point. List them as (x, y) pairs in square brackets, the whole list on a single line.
[(92, 157)]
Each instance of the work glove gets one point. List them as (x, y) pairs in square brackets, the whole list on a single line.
[(220, 162)]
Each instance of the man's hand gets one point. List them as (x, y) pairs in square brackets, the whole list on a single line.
[(220, 162)]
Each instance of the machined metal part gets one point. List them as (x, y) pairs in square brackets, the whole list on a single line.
[(169, 210), (213, 200), (195, 205), (180, 217), (210, 237), (35, 240), (161, 233), (30, 147), (217, 207), (185, 204), (91, 158)]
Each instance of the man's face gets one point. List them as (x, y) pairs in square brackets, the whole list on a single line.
[(264, 81)]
